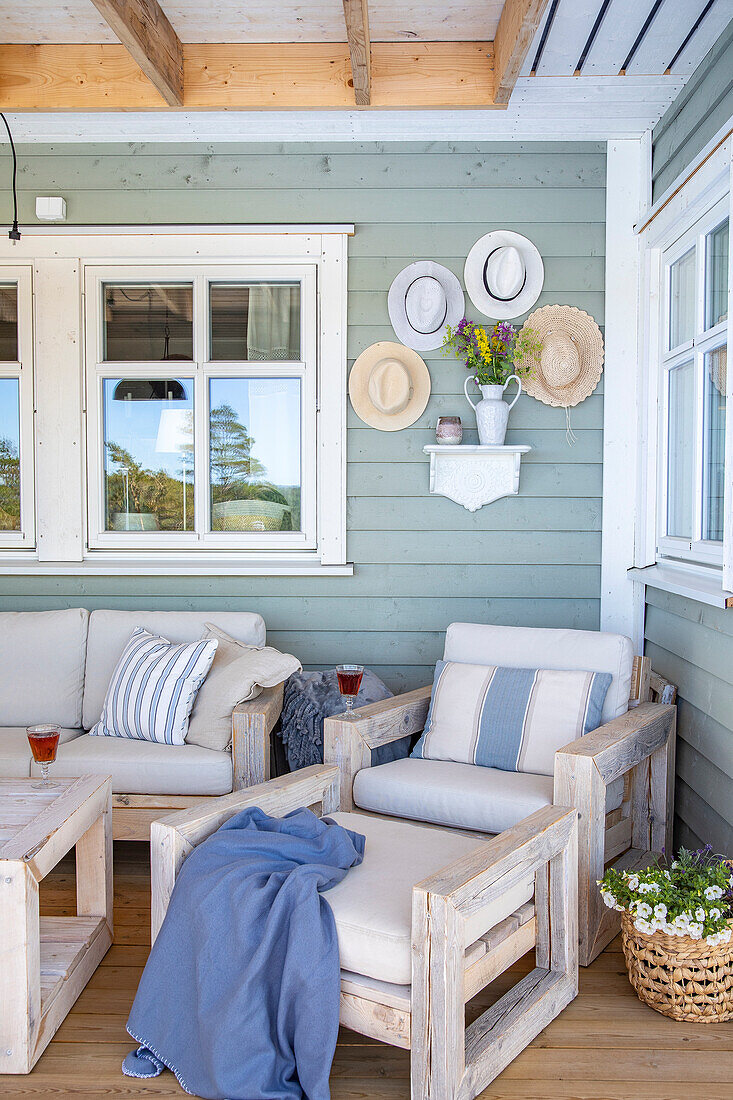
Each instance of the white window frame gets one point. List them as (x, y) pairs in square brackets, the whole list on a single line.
[(59, 258), (200, 371), (22, 371), (691, 207), (699, 550)]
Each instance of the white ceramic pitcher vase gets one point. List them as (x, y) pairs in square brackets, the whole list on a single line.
[(492, 411)]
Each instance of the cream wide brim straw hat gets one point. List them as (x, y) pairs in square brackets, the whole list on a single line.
[(389, 386), (570, 364)]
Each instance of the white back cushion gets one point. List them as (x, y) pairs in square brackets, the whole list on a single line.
[(42, 666), (527, 647), (109, 633)]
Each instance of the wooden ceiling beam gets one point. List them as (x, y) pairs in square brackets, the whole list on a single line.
[(356, 14), (143, 29), (517, 27), (249, 76)]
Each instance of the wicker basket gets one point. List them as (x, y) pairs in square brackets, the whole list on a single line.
[(680, 977)]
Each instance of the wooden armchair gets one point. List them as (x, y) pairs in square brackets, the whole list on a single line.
[(637, 747)]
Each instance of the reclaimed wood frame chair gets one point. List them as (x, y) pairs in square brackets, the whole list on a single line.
[(449, 1061), (638, 746)]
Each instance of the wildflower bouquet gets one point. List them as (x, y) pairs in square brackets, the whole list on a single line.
[(495, 355), (693, 898)]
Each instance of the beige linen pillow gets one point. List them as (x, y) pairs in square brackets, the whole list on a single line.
[(238, 673)]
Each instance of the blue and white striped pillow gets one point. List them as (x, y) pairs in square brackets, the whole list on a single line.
[(153, 688), (514, 719)]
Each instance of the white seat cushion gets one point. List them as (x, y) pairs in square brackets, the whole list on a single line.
[(109, 633), (528, 647), (42, 657), (143, 767), (373, 904), (15, 752), (463, 795)]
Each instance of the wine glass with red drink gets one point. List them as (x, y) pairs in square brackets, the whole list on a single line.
[(349, 678), (43, 741)]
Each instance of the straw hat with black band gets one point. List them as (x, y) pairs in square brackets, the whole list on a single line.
[(389, 386)]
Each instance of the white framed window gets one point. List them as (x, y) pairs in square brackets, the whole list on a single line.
[(684, 520), (190, 400), (202, 407), (17, 514), (693, 390)]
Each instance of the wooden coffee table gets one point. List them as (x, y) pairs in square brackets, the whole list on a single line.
[(45, 962)]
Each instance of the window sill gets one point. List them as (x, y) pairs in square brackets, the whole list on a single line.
[(696, 584), (170, 565)]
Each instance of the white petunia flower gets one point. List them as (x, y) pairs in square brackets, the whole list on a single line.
[(700, 914), (608, 899), (712, 893), (643, 910), (660, 911), (714, 913), (633, 882), (695, 930)]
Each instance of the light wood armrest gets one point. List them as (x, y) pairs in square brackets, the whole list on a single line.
[(175, 836), (624, 742), (252, 724), (348, 743)]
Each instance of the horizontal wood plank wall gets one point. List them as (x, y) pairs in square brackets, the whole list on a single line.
[(421, 562), (703, 106), (691, 644)]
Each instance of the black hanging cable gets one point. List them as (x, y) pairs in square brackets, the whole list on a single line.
[(14, 233)]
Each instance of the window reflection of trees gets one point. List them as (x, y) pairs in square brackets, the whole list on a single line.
[(9, 486)]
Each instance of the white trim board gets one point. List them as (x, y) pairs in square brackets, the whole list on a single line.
[(541, 109), (621, 601)]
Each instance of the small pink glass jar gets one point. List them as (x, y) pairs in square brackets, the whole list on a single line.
[(449, 430)]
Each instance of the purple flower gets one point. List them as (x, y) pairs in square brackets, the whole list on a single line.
[(461, 325)]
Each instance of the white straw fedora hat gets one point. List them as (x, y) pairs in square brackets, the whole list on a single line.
[(569, 366), (503, 274), (423, 299), (389, 386)]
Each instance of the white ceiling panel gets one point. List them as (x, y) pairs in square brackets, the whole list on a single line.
[(66, 21), (569, 32), (704, 37), (617, 34), (666, 35)]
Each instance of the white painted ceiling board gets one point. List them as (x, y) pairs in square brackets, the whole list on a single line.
[(569, 32), (704, 37), (666, 35), (259, 21), (529, 59), (617, 34), (540, 110)]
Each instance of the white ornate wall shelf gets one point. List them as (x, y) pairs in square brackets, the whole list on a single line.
[(472, 475)]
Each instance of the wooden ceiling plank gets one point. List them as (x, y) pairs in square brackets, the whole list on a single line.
[(704, 38), (356, 15), (518, 25), (293, 76), (658, 48), (568, 35), (144, 30)]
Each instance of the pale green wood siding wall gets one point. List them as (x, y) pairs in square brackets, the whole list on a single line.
[(421, 561), (703, 106), (692, 645), (688, 642)]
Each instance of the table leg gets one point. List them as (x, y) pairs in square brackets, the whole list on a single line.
[(20, 967), (94, 868)]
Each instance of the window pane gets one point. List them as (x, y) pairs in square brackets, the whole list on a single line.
[(9, 454), (148, 454), (147, 322), (714, 453), (255, 454), (680, 458), (682, 300), (9, 324), (716, 280), (255, 321)]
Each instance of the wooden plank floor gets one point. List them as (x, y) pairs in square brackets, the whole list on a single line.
[(605, 1046)]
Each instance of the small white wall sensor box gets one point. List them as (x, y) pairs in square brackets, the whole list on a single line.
[(51, 209)]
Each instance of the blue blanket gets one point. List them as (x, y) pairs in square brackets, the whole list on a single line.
[(240, 995)]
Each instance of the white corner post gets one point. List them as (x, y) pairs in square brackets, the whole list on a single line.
[(628, 174)]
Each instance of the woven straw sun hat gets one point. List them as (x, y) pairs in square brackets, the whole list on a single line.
[(389, 386), (423, 299), (570, 364), (503, 274)]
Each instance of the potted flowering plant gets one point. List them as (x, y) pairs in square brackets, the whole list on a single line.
[(677, 932), (494, 358)]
